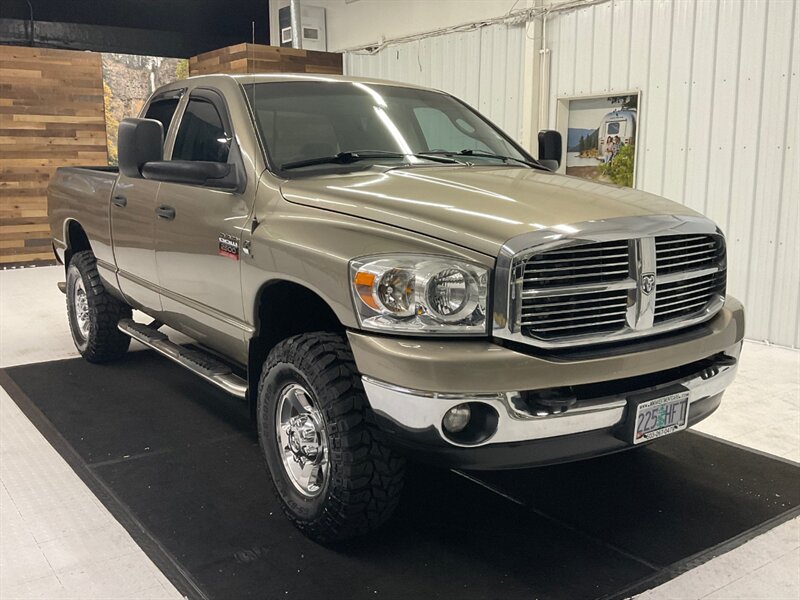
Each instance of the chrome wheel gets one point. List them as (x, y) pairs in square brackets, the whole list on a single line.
[(302, 441), (81, 304)]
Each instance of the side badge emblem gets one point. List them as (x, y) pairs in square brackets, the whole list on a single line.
[(228, 246)]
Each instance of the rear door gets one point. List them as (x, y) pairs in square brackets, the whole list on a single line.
[(198, 234), (133, 219)]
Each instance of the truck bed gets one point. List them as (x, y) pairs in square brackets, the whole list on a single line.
[(82, 193)]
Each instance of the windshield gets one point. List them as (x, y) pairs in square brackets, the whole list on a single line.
[(304, 120)]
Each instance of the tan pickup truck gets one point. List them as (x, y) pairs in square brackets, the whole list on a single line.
[(381, 273)]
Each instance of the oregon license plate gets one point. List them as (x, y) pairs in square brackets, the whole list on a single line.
[(661, 416)]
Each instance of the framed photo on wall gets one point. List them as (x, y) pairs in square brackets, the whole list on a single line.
[(600, 136)]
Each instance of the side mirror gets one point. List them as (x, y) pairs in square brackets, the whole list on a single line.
[(550, 148), (193, 172), (139, 141)]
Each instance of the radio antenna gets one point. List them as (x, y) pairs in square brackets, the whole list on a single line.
[(251, 70)]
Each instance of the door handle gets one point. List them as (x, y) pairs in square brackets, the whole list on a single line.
[(120, 201), (165, 212)]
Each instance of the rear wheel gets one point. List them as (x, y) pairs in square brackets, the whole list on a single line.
[(334, 477), (93, 312)]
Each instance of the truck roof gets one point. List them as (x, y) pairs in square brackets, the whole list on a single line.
[(247, 78)]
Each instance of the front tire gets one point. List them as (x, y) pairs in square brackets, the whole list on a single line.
[(334, 477), (94, 313)]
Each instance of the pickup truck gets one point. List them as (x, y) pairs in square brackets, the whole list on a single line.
[(382, 274)]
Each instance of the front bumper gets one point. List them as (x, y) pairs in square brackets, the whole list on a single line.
[(438, 375)]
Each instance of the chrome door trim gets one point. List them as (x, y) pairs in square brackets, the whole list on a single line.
[(507, 293)]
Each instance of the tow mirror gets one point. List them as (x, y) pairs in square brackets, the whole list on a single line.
[(550, 148), (139, 141), (193, 172)]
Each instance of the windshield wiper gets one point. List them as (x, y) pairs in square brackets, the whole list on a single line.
[(469, 152), (345, 158)]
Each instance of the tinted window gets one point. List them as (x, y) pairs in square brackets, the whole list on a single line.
[(162, 110), (441, 132), (201, 135), (295, 135), (308, 119), (613, 128)]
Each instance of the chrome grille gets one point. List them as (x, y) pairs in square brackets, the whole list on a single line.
[(699, 259), (578, 292), (675, 253), (574, 314), (593, 263)]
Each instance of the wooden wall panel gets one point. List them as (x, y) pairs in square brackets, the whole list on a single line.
[(257, 58), (51, 115)]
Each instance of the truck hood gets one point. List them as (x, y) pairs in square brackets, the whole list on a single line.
[(475, 207)]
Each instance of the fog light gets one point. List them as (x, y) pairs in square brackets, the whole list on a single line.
[(457, 418)]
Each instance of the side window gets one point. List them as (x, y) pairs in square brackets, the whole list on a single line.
[(162, 110), (442, 134), (201, 135)]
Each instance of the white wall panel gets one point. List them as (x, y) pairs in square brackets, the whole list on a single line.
[(483, 67), (719, 124)]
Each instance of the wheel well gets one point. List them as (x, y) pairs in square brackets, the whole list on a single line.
[(284, 309), (77, 241)]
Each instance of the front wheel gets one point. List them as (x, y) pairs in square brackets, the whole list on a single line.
[(334, 477), (94, 313)]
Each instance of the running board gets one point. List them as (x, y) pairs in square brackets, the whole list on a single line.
[(197, 361)]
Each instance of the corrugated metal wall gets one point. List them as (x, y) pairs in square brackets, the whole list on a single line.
[(719, 124), (482, 67)]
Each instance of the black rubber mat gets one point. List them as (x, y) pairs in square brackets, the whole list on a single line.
[(178, 463)]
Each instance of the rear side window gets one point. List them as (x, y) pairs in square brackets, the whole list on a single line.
[(163, 111), (201, 135)]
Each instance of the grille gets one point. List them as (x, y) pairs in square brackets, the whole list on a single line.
[(582, 312), (678, 253), (578, 265), (585, 293), (682, 256), (574, 314)]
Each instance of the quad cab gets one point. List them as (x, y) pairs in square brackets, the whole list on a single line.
[(381, 273)]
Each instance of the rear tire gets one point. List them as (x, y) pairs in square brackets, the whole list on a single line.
[(93, 312), (340, 481)]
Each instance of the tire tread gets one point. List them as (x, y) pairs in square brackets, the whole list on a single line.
[(106, 342), (366, 487)]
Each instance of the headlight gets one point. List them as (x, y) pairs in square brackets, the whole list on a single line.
[(419, 294)]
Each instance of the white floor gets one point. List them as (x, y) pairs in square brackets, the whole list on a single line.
[(58, 541)]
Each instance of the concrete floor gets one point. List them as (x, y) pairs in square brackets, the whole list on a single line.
[(58, 541)]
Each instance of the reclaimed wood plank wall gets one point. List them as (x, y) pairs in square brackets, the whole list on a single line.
[(257, 58), (51, 115)]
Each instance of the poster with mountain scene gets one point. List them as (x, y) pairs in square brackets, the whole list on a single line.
[(128, 81), (601, 138)]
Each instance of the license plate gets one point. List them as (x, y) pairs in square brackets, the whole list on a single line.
[(661, 416)]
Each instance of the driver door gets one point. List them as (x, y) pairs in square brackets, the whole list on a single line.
[(198, 234)]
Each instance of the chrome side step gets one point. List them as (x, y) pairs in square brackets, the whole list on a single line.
[(197, 361)]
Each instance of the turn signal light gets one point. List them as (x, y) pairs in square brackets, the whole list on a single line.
[(363, 282)]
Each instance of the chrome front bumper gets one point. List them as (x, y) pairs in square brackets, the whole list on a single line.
[(421, 413)]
